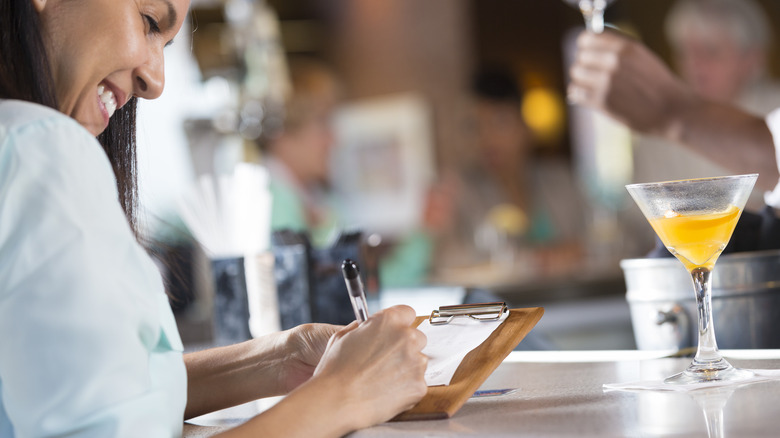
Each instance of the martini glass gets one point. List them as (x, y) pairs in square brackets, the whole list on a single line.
[(695, 219), (593, 12)]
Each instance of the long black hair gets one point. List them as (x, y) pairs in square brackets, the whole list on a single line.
[(118, 141), (25, 74)]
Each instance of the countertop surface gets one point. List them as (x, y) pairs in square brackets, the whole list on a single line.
[(560, 394)]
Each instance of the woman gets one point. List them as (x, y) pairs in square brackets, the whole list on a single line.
[(89, 345), (298, 155)]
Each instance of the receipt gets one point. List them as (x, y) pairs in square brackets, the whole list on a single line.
[(448, 344)]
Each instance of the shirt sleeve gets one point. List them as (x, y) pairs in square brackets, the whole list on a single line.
[(287, 210), (772, 198), (80, 305)]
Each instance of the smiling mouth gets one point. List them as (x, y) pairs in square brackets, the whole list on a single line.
[(107, 99)]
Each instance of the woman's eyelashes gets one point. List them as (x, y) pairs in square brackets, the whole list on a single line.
[(154, 26)]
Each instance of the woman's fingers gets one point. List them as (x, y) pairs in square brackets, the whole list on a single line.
[(401, 314), (380, 363)]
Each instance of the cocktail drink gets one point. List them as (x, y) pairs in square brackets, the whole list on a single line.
[(696, 239), (695, 219)]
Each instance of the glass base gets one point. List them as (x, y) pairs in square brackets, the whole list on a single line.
[(719, 370)]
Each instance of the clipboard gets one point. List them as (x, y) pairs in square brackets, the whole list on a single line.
[(441, 402)]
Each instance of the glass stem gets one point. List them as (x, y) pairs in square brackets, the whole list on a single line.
[(593, 12), (714, 420), (708, 347), (596, 22)]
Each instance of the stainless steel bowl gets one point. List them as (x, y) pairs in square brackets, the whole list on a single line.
[(745, 301)]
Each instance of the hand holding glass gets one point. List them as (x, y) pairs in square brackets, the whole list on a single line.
[(695, 219)]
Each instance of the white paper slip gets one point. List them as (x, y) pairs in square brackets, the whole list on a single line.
[(659, 385), (448, 344)]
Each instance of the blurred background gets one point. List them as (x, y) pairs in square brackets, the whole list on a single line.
[(438, 129)]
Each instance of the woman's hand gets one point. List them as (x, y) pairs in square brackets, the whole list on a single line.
[(305, 345), (377, 366), (275, 363), (367, 374)]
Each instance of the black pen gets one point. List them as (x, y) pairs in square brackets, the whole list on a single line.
[(355, 289)]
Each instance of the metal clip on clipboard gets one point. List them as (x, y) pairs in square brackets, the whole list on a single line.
[(480, 312)]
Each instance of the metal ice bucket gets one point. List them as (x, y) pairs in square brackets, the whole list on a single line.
[(745, 301)]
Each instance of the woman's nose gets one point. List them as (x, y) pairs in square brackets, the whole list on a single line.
[(149, 78)]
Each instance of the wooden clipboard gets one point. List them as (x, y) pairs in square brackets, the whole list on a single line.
[(442, 402)]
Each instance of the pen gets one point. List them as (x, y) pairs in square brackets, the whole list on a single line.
[(355, 289)]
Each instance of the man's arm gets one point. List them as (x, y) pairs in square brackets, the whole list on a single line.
[(624, 79)]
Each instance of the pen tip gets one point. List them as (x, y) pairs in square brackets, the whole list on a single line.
[(350, 269)]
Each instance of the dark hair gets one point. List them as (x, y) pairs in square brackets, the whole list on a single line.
[(25, 74), (24, 67), (495, 83), (118, 141)]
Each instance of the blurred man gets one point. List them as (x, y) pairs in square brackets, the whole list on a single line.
[(622, 78), (720, 49), (509, 204)]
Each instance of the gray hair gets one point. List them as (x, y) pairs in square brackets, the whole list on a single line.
[(744, 19)]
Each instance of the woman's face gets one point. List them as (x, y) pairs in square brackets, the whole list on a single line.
[(103, 52)]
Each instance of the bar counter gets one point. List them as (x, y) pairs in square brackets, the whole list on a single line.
[(559, 393)]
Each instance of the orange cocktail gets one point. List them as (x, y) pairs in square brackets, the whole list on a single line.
[(695, 219), (696, 239)]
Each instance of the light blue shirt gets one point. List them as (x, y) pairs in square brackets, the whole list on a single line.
[(88, 343)]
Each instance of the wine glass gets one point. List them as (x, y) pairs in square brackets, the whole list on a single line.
[(695, 219), (593, 12)]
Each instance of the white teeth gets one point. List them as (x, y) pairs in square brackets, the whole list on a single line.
[(108, 99)]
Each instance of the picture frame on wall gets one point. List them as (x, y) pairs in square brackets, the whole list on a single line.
[(382, 166)]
